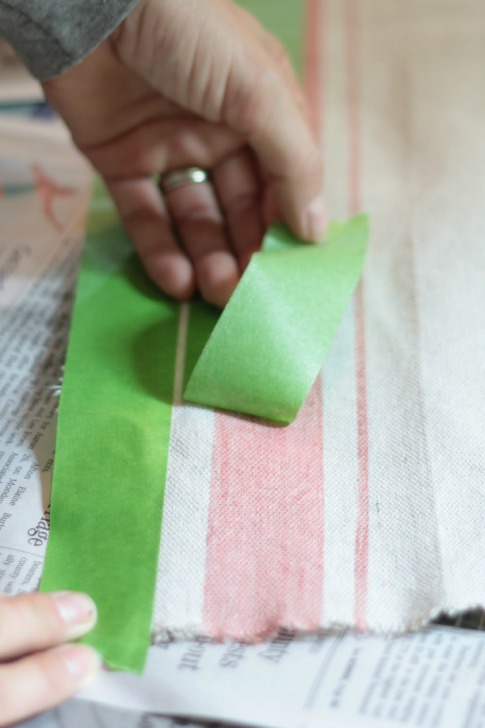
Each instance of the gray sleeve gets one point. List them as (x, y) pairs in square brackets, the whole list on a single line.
[(52, 35)]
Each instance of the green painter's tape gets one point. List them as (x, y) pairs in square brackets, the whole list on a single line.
[(270, 342), (112, 442)]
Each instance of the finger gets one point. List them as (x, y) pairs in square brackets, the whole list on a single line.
[(200, 228), (278, 52), (36, 621), (148, 224), (239, 190), (41, 681), (162, 145), (267, 114)]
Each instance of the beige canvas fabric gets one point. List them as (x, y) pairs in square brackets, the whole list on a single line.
[(371, 510)]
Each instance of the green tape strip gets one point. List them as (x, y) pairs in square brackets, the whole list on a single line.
[(112, 442), (270, 342)]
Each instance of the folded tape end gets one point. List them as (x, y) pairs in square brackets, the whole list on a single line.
[(251, 344)]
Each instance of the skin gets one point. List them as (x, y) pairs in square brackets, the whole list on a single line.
[(178, 84), (34, 632), (195, 83)]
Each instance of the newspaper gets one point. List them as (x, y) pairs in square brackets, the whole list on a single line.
[(41, 214), (434, 679)]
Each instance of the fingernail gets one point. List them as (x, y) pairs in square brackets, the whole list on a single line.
[(82, 662), (77, 611), (315, 219)]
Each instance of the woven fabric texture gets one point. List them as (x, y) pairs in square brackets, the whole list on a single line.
[(369, 510)]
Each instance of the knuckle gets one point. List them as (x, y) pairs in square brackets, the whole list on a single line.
[(247, 102), (198, 212), (267, 85), (40, 611), (45, 615), (242, 203), (28, 614), (11, 620), (278, 51), (311, 166)]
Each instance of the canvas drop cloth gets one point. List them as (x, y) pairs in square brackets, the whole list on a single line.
[(369, 510)]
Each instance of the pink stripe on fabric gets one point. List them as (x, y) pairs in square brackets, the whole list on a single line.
[(264, 554), (352, 52), (264, 546), (361, 567)]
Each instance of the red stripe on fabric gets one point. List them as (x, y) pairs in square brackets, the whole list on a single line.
[(361, 563), (264, 544), (352, 52), (264, 556)]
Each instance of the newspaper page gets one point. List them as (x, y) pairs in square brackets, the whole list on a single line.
[(435, 679), (43, 198)]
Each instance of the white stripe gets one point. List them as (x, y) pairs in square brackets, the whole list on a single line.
[(179, 596), (339, 381), (340, 476), (448, 235), (178, 383)]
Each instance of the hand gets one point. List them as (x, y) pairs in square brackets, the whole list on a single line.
[(195, 83), (37, 671)]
